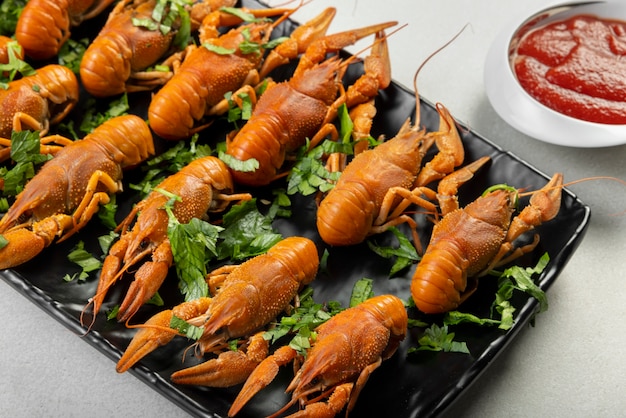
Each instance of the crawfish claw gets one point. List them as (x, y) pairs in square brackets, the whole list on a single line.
[(337, 400), (148, 280), (262, 376), (154, 334), (228, 369), (22, 246), (544, 206)]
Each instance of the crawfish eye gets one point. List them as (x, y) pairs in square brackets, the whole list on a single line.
[(512, 190)]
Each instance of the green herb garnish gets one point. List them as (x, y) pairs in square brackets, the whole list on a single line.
[(25, 152), (192, 332), (302, 322), (193, 246), (438, 338), (85, 260), (405, 253), (246, 232)]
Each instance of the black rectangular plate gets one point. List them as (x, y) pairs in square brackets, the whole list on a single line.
[(404, 386)]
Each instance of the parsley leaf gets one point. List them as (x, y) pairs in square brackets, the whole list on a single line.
[(3, 241), (105, 241), (361, 291), (243, 166), (246, 232), (309, 174), (25, 151), (438, 338), (303, 321), (456, 317), (405, 253), (106, 213), (280, 205), (15, 66), (169, 15), (93, 119), (71, 53), (192, 332), (10, 11), (220, 50), (169, 162), (193, 245), (519, 278), (85, 260)]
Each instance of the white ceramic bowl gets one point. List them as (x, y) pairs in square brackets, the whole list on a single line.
[(526, 114)]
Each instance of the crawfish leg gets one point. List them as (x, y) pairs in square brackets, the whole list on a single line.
[(449, 185), (362, 117), (21, 120), (318, 50), (45, 148), (216, 278), (385, 220), (153, 334), (5, 149), (451, 151), (24, 244), (224, 105), (544, 206), (408, 197), (377, 74), (361, 381), (262, 376), (156, 332), (229, 369), (59, 140), (148, 280), (109, 274), (299, 40), (336, 401), (92, 200)]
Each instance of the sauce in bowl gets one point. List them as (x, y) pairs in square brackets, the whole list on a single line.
[(576, 66)]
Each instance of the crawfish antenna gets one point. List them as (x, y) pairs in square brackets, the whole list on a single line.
[(417, 99), (288, 14), (380, 37)]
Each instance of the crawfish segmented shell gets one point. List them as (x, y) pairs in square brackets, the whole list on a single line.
[(346, 215), (201, 82), (61, 184), (48, 96), (262, 287), (120, 49), (44, 25)]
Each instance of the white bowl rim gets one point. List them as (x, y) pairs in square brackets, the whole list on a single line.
[(527, 115)]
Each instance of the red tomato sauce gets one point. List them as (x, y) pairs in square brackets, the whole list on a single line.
[(577, 67)]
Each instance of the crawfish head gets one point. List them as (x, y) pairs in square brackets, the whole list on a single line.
[(321, 81)]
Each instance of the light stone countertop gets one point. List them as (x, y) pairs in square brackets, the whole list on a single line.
[(570, 364)]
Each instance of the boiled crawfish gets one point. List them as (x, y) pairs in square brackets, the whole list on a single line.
[(37, 101), (347, 350), (468, 242), (63, 196), (377, 186), (198, 87), (203, 186), (44, 25), (118, 58), (304, 107), (247, 297)]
